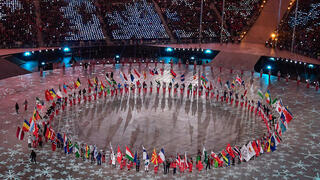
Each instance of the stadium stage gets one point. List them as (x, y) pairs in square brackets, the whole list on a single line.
[(174, 122)]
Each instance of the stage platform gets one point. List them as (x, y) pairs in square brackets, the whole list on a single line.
[(176, 123)]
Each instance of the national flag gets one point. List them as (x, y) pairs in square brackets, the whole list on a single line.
[(77, 83), (173, 74), (136, 73), (224, 155), (87, 151), (33, 127), (59, 94), (255, 147), (20, 133), (39, 103), (36, 115), (154, 158), (260, 94), (287, 114), (283, 123), (48, 95), (26, 126), (219, 80), (245, 93), (245, 153), (278, 139), (278, 129), (65, 88), (185, 160), (268, 98), (279, 106), (54, 145), (237, 152), (251, 150), (95, 81), (124, 76), (216, 157), (129, 154), (48, 133), (204, 154), (144, 75), (203, 78), (121, 76), (227, 84), (161, 156), (151, 72), (77, 151), (233, 84), (182, 78), (52, 93), (119, 155), (230, 151), (238, 80), (272, 144), (102, 86), (89, 83), (132, 77)]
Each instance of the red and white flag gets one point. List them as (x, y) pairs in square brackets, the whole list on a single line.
[(20, 133)]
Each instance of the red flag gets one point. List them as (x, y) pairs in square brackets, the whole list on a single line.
[(119, 155), (254, 145), (230, 151), (89, 82), (135, 72), (151, 72), (125, 77), (20, 133)]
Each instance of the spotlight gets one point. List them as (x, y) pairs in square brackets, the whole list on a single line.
[(271, 59), (269, 67), (117, 56), (286, 60), (295, 62), (43, 63), (304, 63), (66, 49), (39, 50), (46, 50), (169, 49), (299, 62), (207, 51), (310, 66), (27, 53), (192, 57)]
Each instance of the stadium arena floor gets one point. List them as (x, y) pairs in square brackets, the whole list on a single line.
[(174, 123)]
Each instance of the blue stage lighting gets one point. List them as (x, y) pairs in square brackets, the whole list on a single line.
[(117, 56), (66, 49), (208, 51), (272, 59), (310, 66), (43, 63), (169, 49), (27, 53), (269, 67), (192, 57)]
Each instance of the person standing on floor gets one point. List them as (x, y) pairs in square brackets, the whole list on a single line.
[(33, 156), (25, 105), (17, 108)]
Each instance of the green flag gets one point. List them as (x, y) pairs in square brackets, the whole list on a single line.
[(260, 94), (77, 152)]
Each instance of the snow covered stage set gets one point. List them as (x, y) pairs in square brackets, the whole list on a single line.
[(228, 127)]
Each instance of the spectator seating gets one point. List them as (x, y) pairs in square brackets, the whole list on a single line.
[(135, 20), (78, 20), (17, 23), (307, 34)]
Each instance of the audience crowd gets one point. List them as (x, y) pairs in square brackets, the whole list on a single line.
[(17, 24), (307, 34)]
